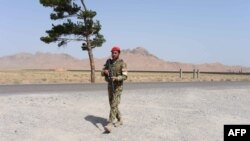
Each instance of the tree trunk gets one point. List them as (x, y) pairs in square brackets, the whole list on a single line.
[(92, 65)]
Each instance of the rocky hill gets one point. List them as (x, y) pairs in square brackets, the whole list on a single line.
[(137, 59)]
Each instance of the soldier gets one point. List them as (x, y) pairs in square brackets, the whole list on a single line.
[(115, 72)]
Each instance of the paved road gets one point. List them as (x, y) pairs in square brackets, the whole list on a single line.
[(57, 88)]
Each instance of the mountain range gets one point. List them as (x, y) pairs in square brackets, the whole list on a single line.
[(137, 59)]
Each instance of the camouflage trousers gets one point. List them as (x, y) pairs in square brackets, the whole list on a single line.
[(114, 101)]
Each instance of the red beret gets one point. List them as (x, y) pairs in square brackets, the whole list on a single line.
[(115, 49)]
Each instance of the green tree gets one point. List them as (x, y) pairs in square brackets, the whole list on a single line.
[(78, 25)]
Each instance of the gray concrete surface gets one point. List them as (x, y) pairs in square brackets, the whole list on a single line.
[(65, 88)]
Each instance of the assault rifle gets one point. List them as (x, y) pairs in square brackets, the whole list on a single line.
[(110, 75)]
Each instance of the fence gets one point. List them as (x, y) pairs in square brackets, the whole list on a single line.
[(196, 72)]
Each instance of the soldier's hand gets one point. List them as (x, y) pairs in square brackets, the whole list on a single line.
[(106, 72), (114, 78)]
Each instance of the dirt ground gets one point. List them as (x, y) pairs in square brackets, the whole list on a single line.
[(173, 114), (17, 77)]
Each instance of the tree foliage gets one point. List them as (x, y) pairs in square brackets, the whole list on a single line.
[(78, 21), (77, 25)]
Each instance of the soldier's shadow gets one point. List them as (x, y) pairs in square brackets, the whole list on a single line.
[(95, 120)]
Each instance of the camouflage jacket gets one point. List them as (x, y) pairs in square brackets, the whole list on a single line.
[(119, 70)]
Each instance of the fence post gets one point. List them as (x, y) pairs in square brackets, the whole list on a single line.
[(180, 73), (198, 74), (193, 73)]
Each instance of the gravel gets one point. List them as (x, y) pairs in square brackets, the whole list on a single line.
[(158, 114)]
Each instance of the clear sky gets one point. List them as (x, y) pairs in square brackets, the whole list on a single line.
[(190, 31)]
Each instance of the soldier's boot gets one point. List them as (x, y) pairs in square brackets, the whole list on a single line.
[(108, 127), (119, 123)]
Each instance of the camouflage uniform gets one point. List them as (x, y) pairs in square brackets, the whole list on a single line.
[(119, 69)]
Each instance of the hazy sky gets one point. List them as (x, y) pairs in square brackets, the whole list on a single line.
[(191, 31)]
